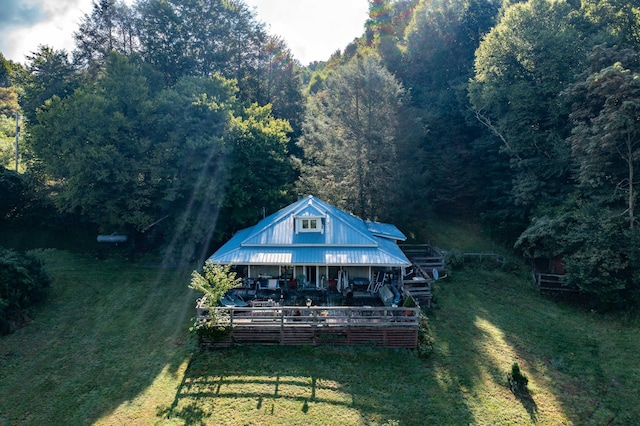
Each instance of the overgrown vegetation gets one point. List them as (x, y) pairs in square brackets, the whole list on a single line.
[(23, 283)]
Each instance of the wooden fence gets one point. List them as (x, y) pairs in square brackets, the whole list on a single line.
[(317, 325), (552, 282), (482, 256)]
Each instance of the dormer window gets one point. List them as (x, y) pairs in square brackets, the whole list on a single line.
[(308, 224)]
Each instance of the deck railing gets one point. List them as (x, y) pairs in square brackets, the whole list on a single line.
[(315, 325), (317, 316)]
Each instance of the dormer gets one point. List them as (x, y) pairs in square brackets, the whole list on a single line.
[(308, 223)]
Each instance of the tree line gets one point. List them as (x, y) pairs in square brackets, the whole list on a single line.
[(521, 113)]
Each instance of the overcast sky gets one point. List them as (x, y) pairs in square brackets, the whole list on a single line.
[(313, 29)]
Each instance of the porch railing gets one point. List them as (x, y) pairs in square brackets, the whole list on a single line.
[(317, 325), (317, 316)]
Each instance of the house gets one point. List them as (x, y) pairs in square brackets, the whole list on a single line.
[(311, 243)]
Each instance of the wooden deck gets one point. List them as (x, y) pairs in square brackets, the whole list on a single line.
[(318, 325)]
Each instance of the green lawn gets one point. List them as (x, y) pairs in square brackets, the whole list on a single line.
[(111, 347)]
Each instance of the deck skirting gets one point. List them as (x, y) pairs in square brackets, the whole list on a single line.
[(377, 327), (387, 337)]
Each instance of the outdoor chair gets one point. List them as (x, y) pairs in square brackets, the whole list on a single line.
[(268, 284), (301, 280), (233, 301), (375, 285)]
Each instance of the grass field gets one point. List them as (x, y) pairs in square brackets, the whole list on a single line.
[(111, 347)]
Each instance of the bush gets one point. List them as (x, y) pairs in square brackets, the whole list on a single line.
[(409, 302), (425, 341), (11, 189), (517, 380), (23, 282), (213, 329), (214, 283), (454, 259)]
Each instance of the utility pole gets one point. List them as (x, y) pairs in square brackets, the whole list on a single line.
[(17, 137)]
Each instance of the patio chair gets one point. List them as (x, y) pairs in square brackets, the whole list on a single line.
[(272, 284), (233, 301), (375, 285), (267, 287), (301, 281)]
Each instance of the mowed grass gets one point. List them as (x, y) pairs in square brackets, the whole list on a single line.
[(111, 347), (111, 334)]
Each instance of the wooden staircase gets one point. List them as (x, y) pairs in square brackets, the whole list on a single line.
[(424, 256), (424, 259)]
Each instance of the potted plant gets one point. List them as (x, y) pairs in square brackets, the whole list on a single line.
[(409, 302)]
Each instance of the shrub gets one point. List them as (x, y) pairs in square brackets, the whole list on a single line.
[(517, 380), (425, 340), (409, 302), (215, 281), (454, 259), (23, 282), (11, 189)]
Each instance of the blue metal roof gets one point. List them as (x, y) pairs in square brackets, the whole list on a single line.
[(345, 240), (385, 230)]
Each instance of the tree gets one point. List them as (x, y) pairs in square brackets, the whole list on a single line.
[(8, 109), (48, 73), (259, 168), (605, 138), (599, 257), (93, 144), (617, 20), (5, 71), (202, 38), (199, 38), (128, 155), (124, 155), (386, 27), (521, 66), (110, 27), (278, 82), (11, 191), (441, 39), (214, 283), (350, 139)]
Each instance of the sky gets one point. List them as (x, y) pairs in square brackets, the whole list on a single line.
[(313, 29)]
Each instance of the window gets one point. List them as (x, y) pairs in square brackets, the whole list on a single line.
[(309, 224)]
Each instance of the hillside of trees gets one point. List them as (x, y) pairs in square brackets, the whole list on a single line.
[(185, 120)]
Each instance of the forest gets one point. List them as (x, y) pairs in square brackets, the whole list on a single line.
[(179, 122)]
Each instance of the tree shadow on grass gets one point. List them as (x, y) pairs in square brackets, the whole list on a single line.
[(107, 331), (316, 385), (529, 404)]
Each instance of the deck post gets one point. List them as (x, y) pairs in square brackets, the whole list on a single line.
[(281, 326)]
